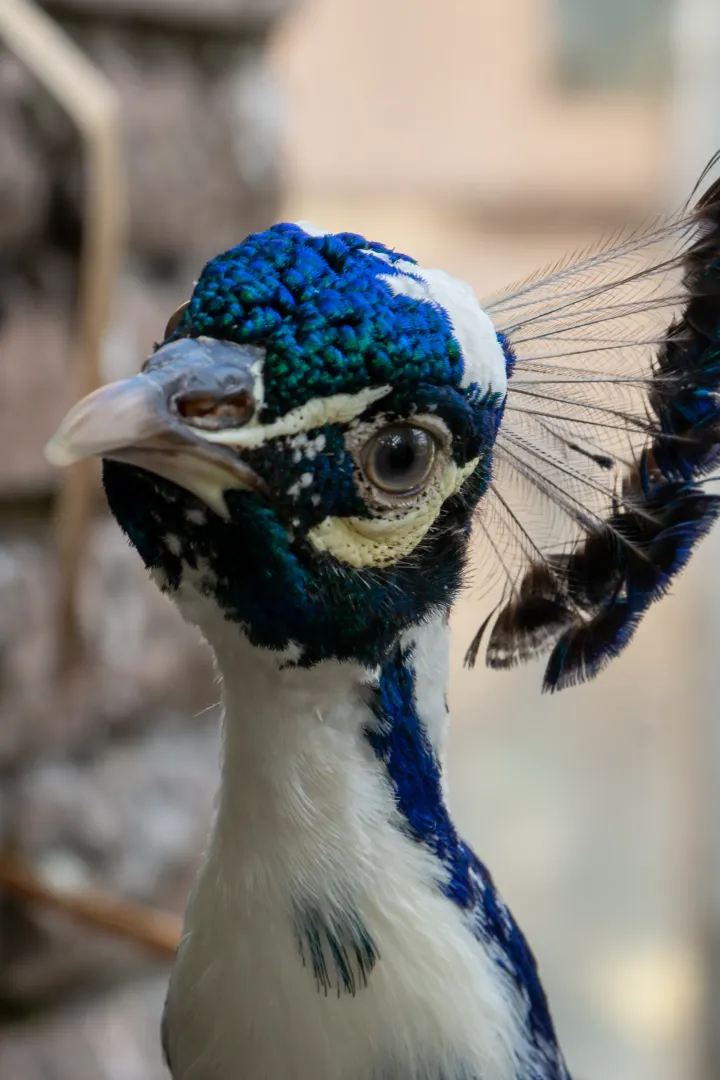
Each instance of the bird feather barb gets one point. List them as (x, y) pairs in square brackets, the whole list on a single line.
[(600, 467)]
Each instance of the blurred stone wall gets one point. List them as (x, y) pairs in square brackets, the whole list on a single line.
[(200, 120), (107, 780)]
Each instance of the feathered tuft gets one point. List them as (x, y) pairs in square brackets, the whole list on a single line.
[(612, 424)]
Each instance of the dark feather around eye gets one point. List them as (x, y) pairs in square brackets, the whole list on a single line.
[(611, 426)]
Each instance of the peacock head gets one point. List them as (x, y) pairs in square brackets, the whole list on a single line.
[(306, 447)]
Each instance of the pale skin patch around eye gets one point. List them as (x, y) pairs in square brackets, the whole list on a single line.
[(378, 542)]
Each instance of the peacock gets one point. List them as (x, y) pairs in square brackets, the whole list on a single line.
[(308, 463)]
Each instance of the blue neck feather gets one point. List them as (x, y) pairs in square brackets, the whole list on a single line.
[(401, 742)]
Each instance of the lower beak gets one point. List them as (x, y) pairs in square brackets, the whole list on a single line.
[(155, 420)]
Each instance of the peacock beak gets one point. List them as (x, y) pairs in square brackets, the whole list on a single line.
[(157, 420)]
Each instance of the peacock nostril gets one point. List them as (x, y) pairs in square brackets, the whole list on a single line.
[(214, 410)]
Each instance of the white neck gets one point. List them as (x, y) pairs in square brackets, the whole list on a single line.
[(295, 760), (307, 823), (297, 735)]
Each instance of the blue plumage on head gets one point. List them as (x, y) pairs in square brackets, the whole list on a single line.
[(332, 317), (321, 308)]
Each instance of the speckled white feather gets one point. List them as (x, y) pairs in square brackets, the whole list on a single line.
[(306, 812)]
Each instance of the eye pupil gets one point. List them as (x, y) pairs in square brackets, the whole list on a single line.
[(399, 459), (396, 455)]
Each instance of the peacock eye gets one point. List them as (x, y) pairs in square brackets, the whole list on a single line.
[(175, 320), (399, 458)]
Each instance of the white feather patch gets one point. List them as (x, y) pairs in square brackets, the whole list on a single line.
[(430, 644), (483, 357)]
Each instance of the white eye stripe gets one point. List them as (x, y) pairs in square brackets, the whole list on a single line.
[(336, 409)]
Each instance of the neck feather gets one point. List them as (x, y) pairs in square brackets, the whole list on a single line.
[(333, 849), (294, 738), (305, 754)]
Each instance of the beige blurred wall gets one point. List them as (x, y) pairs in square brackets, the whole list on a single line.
[(458, 100)]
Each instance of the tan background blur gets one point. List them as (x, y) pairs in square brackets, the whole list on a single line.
[(490, 139)]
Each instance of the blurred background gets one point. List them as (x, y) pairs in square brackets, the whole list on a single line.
[(137, 139)]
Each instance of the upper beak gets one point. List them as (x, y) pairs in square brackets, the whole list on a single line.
[(156, 419)]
